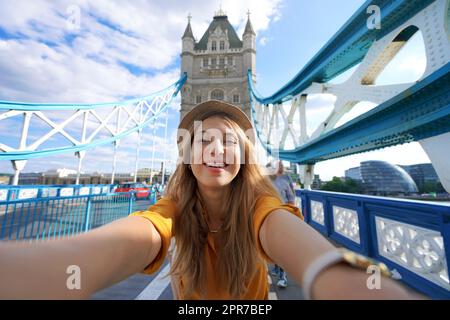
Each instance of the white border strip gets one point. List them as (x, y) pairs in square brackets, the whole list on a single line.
[(156, 287)]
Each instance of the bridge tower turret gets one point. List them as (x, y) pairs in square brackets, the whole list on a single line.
[(187, 52), (249, 47), (187, 59), (217, 64)]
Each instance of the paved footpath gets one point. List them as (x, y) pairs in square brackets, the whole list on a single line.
[(157, 287)]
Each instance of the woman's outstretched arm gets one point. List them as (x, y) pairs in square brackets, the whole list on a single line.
[(293, 244), (106, 255)]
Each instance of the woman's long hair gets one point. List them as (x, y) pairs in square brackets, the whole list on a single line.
[(237, 251)]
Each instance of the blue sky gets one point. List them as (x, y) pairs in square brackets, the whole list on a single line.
[(123, 49)]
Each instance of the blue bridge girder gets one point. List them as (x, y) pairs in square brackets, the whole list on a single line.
[(15, 155), (31, 106), (348, 46), (419, 112)]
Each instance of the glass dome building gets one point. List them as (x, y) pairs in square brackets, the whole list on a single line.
[(383, 178)]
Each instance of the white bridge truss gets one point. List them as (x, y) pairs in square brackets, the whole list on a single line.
[(80, 127)]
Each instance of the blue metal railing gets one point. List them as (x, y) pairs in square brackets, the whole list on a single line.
[(22, 192), (32, 213), (411, 237)]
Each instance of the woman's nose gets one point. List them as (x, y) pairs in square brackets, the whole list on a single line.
[(217, 147)]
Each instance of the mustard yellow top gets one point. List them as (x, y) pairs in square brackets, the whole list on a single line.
[(162, 213)]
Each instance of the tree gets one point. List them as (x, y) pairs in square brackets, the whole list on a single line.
[(345, 186), (431, 187)]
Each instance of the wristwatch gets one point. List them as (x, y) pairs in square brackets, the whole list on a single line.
[(338, 256), (362, 262)]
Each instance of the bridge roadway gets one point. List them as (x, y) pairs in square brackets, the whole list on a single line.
[(157, 287)]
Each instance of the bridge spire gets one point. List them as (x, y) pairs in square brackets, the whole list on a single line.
[(220, 13), (188, 32), (248, 26)]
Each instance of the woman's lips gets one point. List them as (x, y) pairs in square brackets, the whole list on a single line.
[(216, 164), (215, 169)]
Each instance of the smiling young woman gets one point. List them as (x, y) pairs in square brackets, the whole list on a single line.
[(227, 221), (222, 197)]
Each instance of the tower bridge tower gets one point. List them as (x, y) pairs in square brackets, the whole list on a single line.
[(217, 65)]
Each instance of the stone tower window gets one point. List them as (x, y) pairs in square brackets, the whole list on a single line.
[(205, 62), (222, 62), (236, 98), (198, 99), (217, 94), (222, 45), (213, 46), (213, 61)]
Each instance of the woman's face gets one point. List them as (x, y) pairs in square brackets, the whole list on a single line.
[(216, 153)]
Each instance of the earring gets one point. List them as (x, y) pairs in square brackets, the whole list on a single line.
[(190, 168)]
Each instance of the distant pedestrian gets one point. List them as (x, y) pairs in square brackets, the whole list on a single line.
[(285, 187)]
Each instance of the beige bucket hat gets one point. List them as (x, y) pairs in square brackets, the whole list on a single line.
[(203, 111), (213, 106)]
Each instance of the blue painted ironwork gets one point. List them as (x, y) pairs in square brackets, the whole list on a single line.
[(10, 193), (58, 216), (28, 106), (31, 154), (419, 112), (88, 215), (348, 46), (424, 216)]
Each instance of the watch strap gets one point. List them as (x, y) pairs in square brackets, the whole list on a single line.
[(317, 266)]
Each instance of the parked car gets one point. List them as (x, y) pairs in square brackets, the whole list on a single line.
[(142, 191)]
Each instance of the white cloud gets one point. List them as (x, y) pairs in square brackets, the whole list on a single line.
[(43, 66), (145, 34), (33, 71), (263, 41), (38, 19), (263, 12)]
